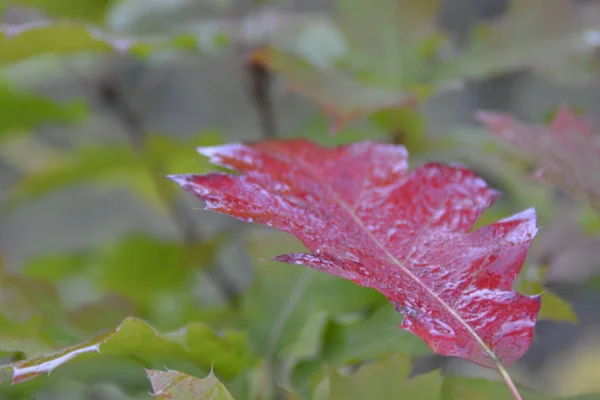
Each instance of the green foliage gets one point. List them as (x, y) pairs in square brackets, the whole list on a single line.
[(177, 385), (89, 10), (227, 352), (383, 380), (354, 341), (22, 42), (293, 333), (116, 164), (142, 268), (21, 111), (277, 326), (454, 388)]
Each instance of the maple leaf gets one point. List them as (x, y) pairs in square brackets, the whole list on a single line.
[(565, 152), (365, 217)]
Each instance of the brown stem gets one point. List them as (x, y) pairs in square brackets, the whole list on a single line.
[(260, 91), (509, 382)]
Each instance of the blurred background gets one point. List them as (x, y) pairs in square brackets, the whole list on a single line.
[(99, 99)]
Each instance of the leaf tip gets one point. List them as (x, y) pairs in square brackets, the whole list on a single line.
[(180, 179), (529, 215), (216, 153)]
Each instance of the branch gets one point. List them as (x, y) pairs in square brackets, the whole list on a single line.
[(260, 79), (133, 125)]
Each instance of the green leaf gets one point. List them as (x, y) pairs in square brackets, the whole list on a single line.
[(54, 267), (341, 96), (548, 36), (30, 309), (387, 63), (117, 164), (391, 41), (32, 320), (284, 298), (370, 338), (20, 42), (140, 268), (21, 110), (97, 316), (387, 379), (309, 341), (553, 307), (180, 386), (87, 10), (458, 388), (197, 343), (313, 129), (405, 125)]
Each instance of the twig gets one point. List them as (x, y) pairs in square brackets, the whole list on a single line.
[(509, 382), (136, 132), (260, 91)]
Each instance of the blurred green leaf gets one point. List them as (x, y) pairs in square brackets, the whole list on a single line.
[(117, 164), (589, 220), (197, 343), (309, 342), (341, 96), (31, 316), (313, 129), (143, 268), (52, 268), (550, 36), (391, 41), (553, 307), (458, 388), (19, 42), (66, 37), (98, 316), (21, 110), (87, 10), (370, 338), (387, 63), (352, 340), (405, 125), (387, 379), (284, 297), (180, 386), (25, 298)]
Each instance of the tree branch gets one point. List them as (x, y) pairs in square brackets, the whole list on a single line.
[(133, 125)]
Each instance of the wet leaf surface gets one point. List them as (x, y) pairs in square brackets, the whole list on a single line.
[(366, 218)]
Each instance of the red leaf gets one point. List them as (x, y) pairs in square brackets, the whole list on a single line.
[(565, 152), (365, 217)]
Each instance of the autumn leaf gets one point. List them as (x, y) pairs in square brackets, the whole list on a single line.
[(566, 151), (365, 217)]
